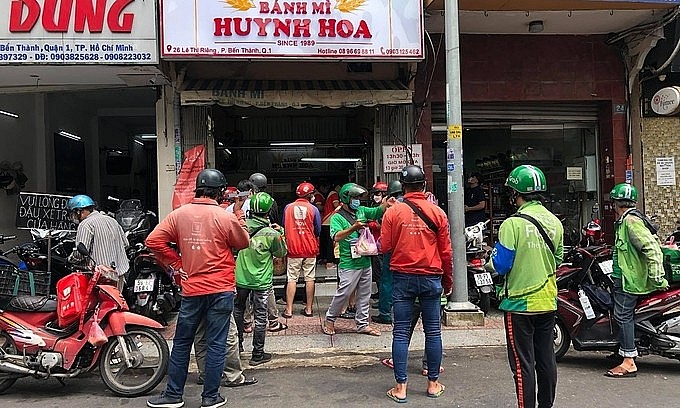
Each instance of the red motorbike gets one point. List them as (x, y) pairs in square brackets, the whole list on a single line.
[(89, 325), (588, 324)]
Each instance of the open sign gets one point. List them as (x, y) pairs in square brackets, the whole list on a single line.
[(395, 157)]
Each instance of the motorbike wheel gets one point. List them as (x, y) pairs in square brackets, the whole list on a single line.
[(7, 345), (150, 362), (485, 302), (561, 340)]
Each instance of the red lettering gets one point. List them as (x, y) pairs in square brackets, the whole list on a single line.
[(56, 15), (264, 7), (115, 14), (326, 27), (345, 28), (363, 30), (301, 27), (281, 26), (262, 25), (17, 22), (52, 22), (237, 26), (86, 11), (222, 26)]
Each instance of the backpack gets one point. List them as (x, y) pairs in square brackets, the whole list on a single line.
[(651, 226)]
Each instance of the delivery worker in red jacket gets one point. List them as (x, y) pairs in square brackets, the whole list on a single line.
[(302, 225), (416, 232), (206, 236)]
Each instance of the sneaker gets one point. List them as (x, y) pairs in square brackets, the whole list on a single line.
[(257, 360), (163, 401), (213, 402)]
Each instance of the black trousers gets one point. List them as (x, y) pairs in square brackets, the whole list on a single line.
[(532, 357)]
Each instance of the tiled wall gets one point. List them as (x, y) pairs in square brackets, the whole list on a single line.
[(661, 138)]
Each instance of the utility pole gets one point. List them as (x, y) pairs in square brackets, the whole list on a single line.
[(458, 301)]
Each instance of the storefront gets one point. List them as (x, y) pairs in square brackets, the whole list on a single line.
[(564, 112), (78, 100), (298, 91)]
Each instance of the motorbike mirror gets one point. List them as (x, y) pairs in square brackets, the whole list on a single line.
[(82, 250), (110, 198)]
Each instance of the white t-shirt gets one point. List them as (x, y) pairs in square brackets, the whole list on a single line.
[(245, 208)]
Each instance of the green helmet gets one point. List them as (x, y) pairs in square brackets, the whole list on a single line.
[(624, 192), (394, 188), (526, 179), (261, 203), (349, 191)]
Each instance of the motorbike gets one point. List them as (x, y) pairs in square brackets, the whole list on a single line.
[(585, 309), (481, 283), (593, 234), (151, 290), (89, 325)]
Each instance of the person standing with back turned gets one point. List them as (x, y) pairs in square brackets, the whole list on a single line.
[(528, 251), (206, 237), (416, 233)]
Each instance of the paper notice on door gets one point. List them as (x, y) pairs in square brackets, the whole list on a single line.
[(665, 171), (574, 173)]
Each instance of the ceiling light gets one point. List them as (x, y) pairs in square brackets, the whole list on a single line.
[(329, 159), (220, 144), (536, 26), (147, 136), (10, 114), (69, 135), (291, 144), (139, 142)]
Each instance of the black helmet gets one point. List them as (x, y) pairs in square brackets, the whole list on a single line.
[(412, 175), (259, 180), (394, 188), (212, 178)]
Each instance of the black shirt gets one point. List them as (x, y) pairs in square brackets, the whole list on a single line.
[(474, 196)]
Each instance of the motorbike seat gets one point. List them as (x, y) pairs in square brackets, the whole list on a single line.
[(28, 303)]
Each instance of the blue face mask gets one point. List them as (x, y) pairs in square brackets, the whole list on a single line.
[(354, 204)]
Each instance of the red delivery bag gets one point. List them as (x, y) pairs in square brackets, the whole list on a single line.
[(71, 298)]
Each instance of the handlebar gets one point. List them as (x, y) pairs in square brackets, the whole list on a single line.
[(4, 238)]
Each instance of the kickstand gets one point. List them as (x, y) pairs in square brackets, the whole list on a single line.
[(61, 381)]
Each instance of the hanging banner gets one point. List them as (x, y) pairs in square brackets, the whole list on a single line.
[(194, 163), (324, 29), (78, 32)]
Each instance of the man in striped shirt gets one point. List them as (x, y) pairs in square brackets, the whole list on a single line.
[(102, 236)]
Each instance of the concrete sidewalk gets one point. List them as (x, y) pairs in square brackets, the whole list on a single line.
[(304, 334)]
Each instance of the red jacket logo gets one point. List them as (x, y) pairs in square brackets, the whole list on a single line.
[(55, 15)]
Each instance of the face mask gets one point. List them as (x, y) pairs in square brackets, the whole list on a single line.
[(354, 204), (75, 218), (311, 199), (377, 198)]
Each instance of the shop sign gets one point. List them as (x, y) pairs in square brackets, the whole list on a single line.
[(666, 101), (43, 211), (78, 32), (395, 157), (323, 29)]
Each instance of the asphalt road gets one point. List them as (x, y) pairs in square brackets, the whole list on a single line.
[(475, 377)]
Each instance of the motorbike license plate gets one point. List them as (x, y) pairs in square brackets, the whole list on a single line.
[(607, 267), (144, 285), (483, 279)]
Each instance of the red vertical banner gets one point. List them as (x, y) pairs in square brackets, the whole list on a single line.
[(194, 163)]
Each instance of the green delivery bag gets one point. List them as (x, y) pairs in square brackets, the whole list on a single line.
[(671, 263)]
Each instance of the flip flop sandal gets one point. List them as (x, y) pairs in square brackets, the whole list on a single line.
[(387, 362), (246, 381), (279, 326), (286, 315), (438, 393), (620, 374), (305, 314), (326, 330), (394, 398)]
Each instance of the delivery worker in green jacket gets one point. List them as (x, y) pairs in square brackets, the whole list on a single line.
[(528, 261), (637, 269), (255, 272)]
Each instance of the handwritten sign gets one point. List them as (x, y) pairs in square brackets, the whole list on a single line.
[(395, 157), (44, 211)]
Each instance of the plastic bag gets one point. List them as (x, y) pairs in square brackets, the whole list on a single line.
[(97, 337), (366, 245)]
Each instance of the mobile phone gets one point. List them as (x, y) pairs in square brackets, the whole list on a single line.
[(239, 194)]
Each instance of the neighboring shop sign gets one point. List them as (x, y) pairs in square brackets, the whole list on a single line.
[(666, 101), (347, 29), (78, 32), (395, 157), (43, 211)]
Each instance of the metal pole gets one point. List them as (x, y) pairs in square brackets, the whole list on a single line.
[(458, 301)]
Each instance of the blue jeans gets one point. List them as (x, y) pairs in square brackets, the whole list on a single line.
[(385, 300), (216, 310), (428, 290), (624, 314)]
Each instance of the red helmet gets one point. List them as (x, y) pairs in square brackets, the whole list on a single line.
[(304, 189), (379, 186)]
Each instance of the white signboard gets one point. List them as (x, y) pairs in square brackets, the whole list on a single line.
[(323, 29), (395, 157), (574, 173), (78, 32), (665, 171)]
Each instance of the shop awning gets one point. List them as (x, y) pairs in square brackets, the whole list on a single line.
[(295, 93)]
